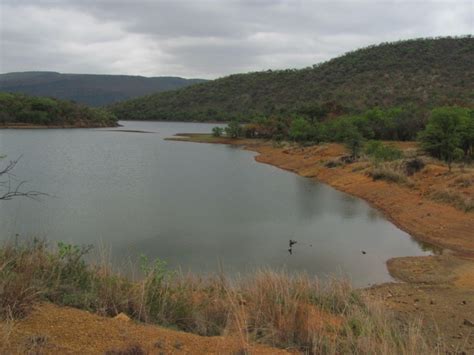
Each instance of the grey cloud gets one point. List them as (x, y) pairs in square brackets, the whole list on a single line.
[(209, 38)]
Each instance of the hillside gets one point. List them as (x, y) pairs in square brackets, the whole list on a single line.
[(19, 110), (93, 90), (420, 72)]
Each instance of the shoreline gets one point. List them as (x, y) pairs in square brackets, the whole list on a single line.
[(33, 126)]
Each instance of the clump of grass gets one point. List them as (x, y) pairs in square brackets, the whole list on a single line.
[(388, 173), (465, 180), (457, 199), (133, 349), (275, 308), (333, 163)]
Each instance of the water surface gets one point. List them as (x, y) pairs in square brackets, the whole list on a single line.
[(197, 206)]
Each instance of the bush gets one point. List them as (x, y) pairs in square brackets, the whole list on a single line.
[(443, 136), (233, 129), (413, 166), (381, 152), (354, 142), (217, 131)]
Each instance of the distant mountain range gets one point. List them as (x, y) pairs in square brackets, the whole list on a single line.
[(93, 90), (421, 73)]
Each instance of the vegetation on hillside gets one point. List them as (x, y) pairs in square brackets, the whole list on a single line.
[(296, 312), (19, 109), (414, 76), (92, 90)]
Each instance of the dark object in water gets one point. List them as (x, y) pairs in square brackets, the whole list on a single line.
[(363, 252), (290, 250), (292, 242)]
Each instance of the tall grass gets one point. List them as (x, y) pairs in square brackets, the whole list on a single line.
[(275, 308)]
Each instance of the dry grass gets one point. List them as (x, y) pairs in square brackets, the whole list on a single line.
[(391, 172), (6, 329), (464, 180), (455, 198), (275, 308)]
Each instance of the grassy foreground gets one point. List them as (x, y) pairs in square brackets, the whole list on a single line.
[(288, 311)]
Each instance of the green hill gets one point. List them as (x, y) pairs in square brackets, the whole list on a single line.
[(420, 72), (19, 109), (93, 90)]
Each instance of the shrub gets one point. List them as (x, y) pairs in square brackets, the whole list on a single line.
[(233, 129), (381, 152), (413, 166), (332, 163), (354, 142), (217, 131), (443, 135)]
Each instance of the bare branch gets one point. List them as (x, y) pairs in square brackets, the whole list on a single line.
[(10, 189)]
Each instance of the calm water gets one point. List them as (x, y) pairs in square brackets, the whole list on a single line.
[(194, 205)]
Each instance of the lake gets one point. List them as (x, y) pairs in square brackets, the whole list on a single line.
[(200, 207)]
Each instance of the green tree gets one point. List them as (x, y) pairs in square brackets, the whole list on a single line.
[(300, 129), (467, 134), (233, 129), (217, 131), (442, 136), (354, 141)]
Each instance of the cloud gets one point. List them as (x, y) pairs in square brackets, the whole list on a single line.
[(209, 38)]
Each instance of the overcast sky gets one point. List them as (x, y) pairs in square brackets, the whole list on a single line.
[(208, 39)]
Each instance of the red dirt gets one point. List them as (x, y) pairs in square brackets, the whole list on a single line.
[(51, 329)]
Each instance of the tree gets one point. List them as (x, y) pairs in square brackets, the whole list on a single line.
[(442, 136), (217, 131), (467, 134), (9, 187), (233, 129), (300, 129), (354, 142)]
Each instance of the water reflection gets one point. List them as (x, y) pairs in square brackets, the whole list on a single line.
[(305, 192), (349, 205)]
